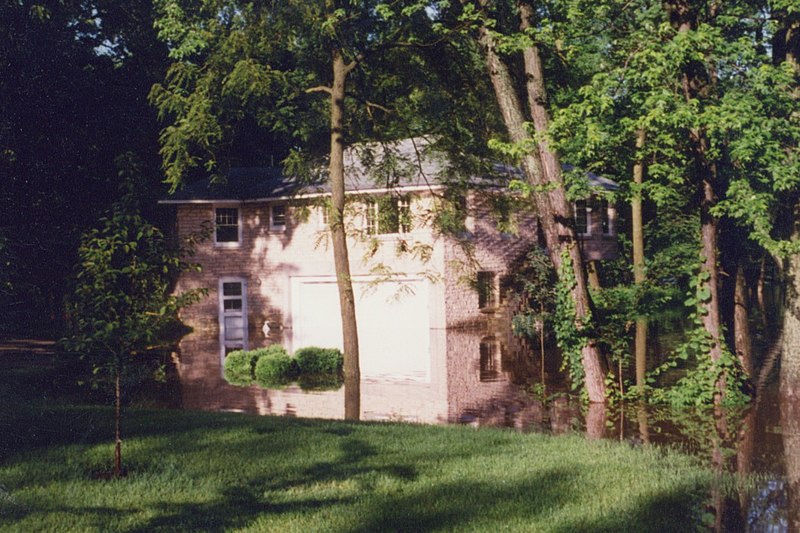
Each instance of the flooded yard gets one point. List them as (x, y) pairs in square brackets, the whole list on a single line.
[(481, 379)]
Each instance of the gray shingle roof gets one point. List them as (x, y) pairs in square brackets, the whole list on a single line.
[(405, 165)]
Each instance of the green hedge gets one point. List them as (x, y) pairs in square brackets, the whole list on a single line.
[(319, 368), (314, 368), (314, 360), (239, 367), (275, 369)]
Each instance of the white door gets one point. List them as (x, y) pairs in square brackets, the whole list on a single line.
[(393, 323)]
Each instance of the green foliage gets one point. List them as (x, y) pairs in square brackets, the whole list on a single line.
[(319, 368), (239, 367), (534, 281), (314, 360), (704, 381), (570, 332), (122, 303), (274, 369)]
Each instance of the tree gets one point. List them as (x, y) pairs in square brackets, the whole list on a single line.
[(74, 77), (121, 307), (527, 128)]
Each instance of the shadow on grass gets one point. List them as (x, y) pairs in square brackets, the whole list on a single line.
[(240, 505)]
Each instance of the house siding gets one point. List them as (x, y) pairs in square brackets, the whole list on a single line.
[(269, 260)]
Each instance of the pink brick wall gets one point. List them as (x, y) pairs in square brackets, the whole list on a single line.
[(268, 260)]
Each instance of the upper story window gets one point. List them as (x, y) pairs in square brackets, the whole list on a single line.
[(388, 214), (605, 217), (277, 217), (228, 226), (487, 290), (582, 218)]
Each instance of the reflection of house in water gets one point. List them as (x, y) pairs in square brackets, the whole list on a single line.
[(422, 297)]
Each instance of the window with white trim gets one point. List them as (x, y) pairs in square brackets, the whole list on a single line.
[(582, 213), (388, 215), (277, 217), (232, 315), (227, 226)]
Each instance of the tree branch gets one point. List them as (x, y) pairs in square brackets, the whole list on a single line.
[(319, 89)]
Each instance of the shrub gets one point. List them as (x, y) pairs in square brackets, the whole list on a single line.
[(319, 368), (314, 360), (275, 369), (239, 366)]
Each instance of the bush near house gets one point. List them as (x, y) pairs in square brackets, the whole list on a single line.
[(239, 367), (274, 368), (314, 368), (319, 368)]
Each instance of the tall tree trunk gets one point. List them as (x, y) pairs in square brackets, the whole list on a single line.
[(561, 208), (790, 362), (347, 301), (696, 81), (790, 423), (709, 229), (741, 322), (117, 421), (637, 241), (553, 208)]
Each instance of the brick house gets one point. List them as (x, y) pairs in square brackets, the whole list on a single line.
[(269, 268)]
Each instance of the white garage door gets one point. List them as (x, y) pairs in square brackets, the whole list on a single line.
[(393, 323)]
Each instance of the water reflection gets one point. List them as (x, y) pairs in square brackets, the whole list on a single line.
[(482, 378)]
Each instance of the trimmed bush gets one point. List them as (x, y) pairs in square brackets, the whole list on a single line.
[(319, 368), (275, 369), (314, 360), (239, 366)]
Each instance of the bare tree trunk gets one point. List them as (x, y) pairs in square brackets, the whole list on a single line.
[(553, 208), (790, 422), (708, 234), (352, 373), (640, 346), (741, 323), (790, 362), (117, 422), (593, 276)]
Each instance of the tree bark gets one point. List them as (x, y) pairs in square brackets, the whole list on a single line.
[(637, 241), (790, 423), (741, 322), (790, 362), (696, 82), (553, 209), (352, 373), (560, 221), (117, 422)]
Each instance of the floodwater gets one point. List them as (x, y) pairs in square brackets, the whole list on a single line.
[(490, 378)]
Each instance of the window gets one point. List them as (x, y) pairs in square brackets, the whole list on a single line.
[(228, 230), (277, 217), (387, 215), (490, 365), (232, 315), (487, 290), (324, 216), (582, 218), (605, 217)]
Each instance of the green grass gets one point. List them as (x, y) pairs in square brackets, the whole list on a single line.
[(194, 471)]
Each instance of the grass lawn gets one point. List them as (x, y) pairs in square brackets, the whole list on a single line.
[(194, 471)]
